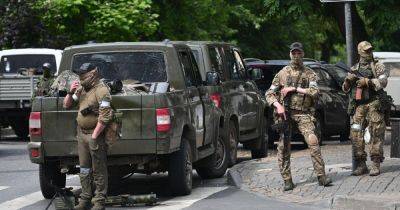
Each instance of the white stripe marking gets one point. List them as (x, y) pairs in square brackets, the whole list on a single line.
[(3, 187), (186, 201), (22, 201), (25, 200), (72, 177)]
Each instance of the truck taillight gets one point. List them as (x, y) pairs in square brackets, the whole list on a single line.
[(216, 98), (35, 127), (163, 120)]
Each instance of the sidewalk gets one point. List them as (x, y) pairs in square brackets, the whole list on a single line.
[(347, 192)]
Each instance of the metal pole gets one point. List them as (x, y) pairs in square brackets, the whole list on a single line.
[(349, 49), (349, 33)]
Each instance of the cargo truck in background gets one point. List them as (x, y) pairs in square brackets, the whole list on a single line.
[(19, 72)]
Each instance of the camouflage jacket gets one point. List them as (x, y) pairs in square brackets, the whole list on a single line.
[(289, 77), (43, 86)]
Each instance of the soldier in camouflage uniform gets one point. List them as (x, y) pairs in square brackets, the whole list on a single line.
[(299, 84), (368, 80), (94, 113), (45, 81)]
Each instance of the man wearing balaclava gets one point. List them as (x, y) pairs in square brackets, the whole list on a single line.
[(293, 94), (94, 113), (45, 81), (366, 86)]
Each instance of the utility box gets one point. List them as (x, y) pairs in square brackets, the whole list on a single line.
[(395, 138)]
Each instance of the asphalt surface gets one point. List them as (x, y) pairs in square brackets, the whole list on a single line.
[(19, 187)]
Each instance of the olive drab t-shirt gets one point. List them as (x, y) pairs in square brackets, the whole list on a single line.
[(98, 99), (288, 77)]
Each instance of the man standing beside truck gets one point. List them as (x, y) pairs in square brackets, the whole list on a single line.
[(293, 93), (368, 104), (93, 99)]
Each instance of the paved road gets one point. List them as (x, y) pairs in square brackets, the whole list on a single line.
[(19, 187)]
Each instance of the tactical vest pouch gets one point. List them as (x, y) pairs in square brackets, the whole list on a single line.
[(113, 129)]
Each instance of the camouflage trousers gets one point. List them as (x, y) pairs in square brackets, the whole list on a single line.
[(305, 124), (93, 167), (368, 115)]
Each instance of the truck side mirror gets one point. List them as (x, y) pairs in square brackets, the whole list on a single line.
[(212, 78), (255, 73)]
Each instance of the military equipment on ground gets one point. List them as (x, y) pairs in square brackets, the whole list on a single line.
[(243, 106), (175, 127), (131, 200), (19, 73)]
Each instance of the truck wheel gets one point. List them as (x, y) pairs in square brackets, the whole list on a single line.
[(180, 170), (263, 150), (217, 163), (344, 135), (233, 143), (50, 176)]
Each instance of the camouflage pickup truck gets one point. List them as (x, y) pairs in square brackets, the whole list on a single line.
[(170, 121)]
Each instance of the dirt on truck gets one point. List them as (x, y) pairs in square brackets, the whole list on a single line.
[(169, 120)]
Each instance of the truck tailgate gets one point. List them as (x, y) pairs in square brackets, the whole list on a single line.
[(138, 132)]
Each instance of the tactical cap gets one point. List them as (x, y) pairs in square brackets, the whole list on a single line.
[(364, 46), (86, 67), (296, 46)]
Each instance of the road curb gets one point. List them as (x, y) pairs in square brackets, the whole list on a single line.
[(341, 202), (234, 178)]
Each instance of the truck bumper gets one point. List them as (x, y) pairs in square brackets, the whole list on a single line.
[(39, 151), (35, 150)]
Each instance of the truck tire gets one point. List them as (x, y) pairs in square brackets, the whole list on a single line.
[(180, 170), (50, 176), (263, 150), (217, 163), (233, 139)]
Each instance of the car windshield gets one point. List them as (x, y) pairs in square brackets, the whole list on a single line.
[(393, 68), (15, 63), (145, 67)]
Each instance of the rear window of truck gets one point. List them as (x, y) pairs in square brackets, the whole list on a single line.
[(145, 67), (14, 63)]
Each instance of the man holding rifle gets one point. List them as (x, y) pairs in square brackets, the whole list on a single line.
[(293, 94), (367, 105)]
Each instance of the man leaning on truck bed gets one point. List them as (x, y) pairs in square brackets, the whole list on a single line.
[(94, 112)]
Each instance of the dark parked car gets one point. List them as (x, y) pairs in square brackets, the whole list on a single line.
[(332, 104)]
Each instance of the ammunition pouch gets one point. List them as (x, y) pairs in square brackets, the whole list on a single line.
[(113, 130)]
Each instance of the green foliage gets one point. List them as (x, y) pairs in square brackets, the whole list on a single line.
[(261, 28), (77, 21)]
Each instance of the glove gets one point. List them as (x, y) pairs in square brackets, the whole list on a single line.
[(363, 83), (351, 77)]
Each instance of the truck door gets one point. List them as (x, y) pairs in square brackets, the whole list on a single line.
[(193, 80)]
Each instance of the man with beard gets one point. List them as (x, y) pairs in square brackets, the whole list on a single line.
[(293, 93), (93, 99), (367, 106)]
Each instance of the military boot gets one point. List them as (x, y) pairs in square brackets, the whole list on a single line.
[(83, 205), (375, 168), (361, 169), (98, 206), (288, 185), (324, 181)]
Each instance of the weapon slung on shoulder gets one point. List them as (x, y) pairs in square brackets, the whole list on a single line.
[(131, 200)]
